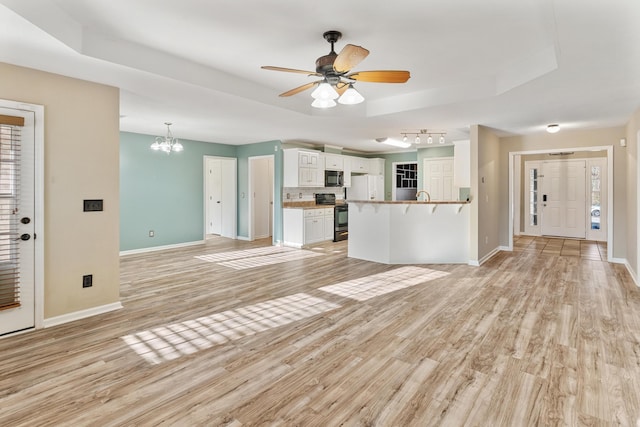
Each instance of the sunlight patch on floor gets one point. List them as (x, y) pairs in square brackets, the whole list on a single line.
[(368, 287), (251, 258), (170, 342)]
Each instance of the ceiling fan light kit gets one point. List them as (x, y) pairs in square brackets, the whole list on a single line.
[(337, 78)]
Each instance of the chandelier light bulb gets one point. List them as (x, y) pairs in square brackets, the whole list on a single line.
[(404, 138), (325, 91), (350, 96), (429, 139), (323, 103), (417, 139), (441, 140)]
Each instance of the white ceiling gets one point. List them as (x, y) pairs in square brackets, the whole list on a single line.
[(511, 65)]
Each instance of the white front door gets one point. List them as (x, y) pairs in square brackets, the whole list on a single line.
[(438, 178), (17, 222), (563, 198)]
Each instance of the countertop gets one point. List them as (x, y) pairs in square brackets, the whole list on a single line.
[(308, 204), (412, 202)]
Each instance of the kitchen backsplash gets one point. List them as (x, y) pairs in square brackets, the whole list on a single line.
[(302, 194)]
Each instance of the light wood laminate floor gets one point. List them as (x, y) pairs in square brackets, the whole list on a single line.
[(234, 333)]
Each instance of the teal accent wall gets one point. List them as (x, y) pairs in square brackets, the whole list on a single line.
[(253, 150), (163, 193)]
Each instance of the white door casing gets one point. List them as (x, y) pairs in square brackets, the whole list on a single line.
[(220, 196)]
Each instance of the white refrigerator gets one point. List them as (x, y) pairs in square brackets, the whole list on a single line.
[(366, 187)]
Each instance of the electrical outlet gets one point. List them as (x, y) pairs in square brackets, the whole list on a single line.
[(151, 233), (87, 280)]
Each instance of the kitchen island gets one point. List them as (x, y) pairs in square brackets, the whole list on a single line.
[(409, 232)]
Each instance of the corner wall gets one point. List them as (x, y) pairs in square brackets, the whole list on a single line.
[(632, 181), (81, 162)]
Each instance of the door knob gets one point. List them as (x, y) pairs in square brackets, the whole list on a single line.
[(25, 220), (24, 237)]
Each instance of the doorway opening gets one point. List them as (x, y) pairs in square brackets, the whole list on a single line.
[(563, 197), (405, 182), (220, 185), (261, 195)]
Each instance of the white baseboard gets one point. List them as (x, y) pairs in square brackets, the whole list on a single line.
[(632, 273), (82, 314), (486, 258), (161, 248)]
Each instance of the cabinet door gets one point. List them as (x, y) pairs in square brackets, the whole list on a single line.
[(376, 166), (313, 229), (328, 227), (359, 165), (333, 162)]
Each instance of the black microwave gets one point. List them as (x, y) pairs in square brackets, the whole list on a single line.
[(333, 179)]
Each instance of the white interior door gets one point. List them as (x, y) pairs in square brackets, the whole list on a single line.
[(438, 178), (17, 222), (262, 197), (564, 198), (220, 196), (214, 196)]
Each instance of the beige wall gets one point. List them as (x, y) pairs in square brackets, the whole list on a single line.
[(81, 162), (632, 136), (485, 192), (573, 139)]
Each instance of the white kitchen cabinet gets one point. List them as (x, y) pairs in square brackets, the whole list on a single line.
[(307, 226), (347, 170), (328, 224), (462, 163), (302, 168), (333, 162), (359, 165), (376, 166)]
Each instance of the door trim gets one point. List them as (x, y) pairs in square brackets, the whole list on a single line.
[(611, 216), (205, 190), (38, 178)]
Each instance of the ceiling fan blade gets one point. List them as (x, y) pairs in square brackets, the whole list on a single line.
[(380, 76), (349, 57), (300, 88), (290, 70)]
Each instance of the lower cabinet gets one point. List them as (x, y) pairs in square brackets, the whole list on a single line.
[(306, 226)]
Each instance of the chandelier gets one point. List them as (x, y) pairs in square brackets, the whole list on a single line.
[(422, 132), (167, 143)]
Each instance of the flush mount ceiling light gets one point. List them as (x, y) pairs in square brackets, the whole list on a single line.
[(393, 142), (167, 143), (553, 128), (427, 132)]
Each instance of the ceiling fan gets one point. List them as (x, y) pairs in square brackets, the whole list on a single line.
[(337, 78)]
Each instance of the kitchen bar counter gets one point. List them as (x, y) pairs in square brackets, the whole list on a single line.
[(409, 232)]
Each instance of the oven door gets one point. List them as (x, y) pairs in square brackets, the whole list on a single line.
[(341, 222)]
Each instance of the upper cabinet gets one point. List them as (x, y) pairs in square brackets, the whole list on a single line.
[(302, 168), (376, 166), (462, 163), (333, 162), (359, 164)]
